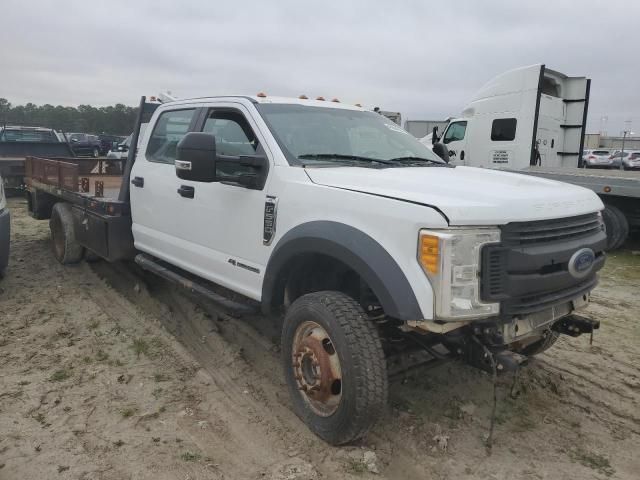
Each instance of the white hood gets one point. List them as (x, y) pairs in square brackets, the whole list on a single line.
[(466, 195)]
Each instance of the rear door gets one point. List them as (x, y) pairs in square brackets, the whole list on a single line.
[(155, 206), (454, 138)]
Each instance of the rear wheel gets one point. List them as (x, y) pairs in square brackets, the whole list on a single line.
[(624, 226), (66, 248), (334, 366), (615, 229)]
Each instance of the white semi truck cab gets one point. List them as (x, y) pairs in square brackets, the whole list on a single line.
[(333, 218), (524, 117)]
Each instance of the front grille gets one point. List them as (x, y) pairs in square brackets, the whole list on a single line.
[(528, 270), (535, 303), (546, 231)]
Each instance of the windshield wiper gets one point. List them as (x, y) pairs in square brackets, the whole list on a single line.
[(417, 159), (339, 156)]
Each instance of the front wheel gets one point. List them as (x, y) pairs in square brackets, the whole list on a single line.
[(334, 366)]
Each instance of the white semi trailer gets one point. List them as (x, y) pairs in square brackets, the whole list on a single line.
[(532, 120)]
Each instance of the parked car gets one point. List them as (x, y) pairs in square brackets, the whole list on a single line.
[(84, 144), (17, 133), (109, 142), (5, 229), (598, 159), (121, 150), (630, 159)]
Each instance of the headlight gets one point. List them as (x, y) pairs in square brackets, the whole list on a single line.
[(451, 260)]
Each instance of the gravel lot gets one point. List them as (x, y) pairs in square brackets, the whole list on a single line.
[(108, 373)]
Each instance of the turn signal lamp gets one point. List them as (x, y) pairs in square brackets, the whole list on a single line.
[(429, 253)]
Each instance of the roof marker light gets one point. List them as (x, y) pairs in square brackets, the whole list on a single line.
[(320, 98), (303, 97), (261, 95), (358, 105), (335, 100)]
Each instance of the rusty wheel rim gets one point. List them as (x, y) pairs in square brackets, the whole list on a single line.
[(316, 368)]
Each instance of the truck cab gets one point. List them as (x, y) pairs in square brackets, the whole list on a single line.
[(529, 116), (339, 223)]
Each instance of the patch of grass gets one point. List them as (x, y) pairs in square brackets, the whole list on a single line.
[(40, 418), (160, 377), (356, 466), (118, 443), (87, 359), (101, 356), (93, 324), (592, 460), (128, 412), (60, 375), (157, 392), (22, 383), (190, 456), (140, 347)]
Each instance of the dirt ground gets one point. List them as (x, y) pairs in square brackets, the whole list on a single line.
[(108, 373)]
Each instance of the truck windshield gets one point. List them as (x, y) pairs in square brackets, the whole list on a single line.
[(333, 134)]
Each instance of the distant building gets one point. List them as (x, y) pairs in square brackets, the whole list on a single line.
[(422, 128), (596, 140)]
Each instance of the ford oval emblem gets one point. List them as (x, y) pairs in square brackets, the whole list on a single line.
[(581, 262)]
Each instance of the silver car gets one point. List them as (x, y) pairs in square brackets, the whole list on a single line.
[(631, 160), (600, 158)]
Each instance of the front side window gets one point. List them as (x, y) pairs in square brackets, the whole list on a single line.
[(503, 129), (304, 132), (455, 132), (234, 137), (168, 131)]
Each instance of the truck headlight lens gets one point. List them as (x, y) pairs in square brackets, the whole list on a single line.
[(451, 260)]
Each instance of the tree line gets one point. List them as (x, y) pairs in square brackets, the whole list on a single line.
[(117, 119)]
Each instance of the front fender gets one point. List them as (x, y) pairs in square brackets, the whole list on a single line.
[(355, 249)]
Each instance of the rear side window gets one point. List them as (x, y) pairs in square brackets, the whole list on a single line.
[(168, 131), (600, 152), (455, 132), (503, 129), (635, 156)]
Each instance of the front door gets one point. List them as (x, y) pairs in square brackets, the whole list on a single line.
[(216, 230), (454, 139)]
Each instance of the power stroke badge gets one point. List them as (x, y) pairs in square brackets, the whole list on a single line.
[(270, 214)]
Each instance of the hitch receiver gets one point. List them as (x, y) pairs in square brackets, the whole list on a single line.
[(576, 325)]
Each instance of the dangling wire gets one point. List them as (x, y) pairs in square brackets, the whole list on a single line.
[(494, 367)]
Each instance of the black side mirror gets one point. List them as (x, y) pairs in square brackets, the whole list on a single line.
[(442, 151), (196, 157), (434, 136)]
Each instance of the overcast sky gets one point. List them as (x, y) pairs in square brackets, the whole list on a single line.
[(422, 58)]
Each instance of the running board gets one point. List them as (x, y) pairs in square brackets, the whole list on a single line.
[(187, 281)]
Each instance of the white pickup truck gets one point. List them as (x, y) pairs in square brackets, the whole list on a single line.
[(366, 241)]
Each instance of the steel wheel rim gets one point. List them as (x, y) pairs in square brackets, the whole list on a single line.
[(316, 368)]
